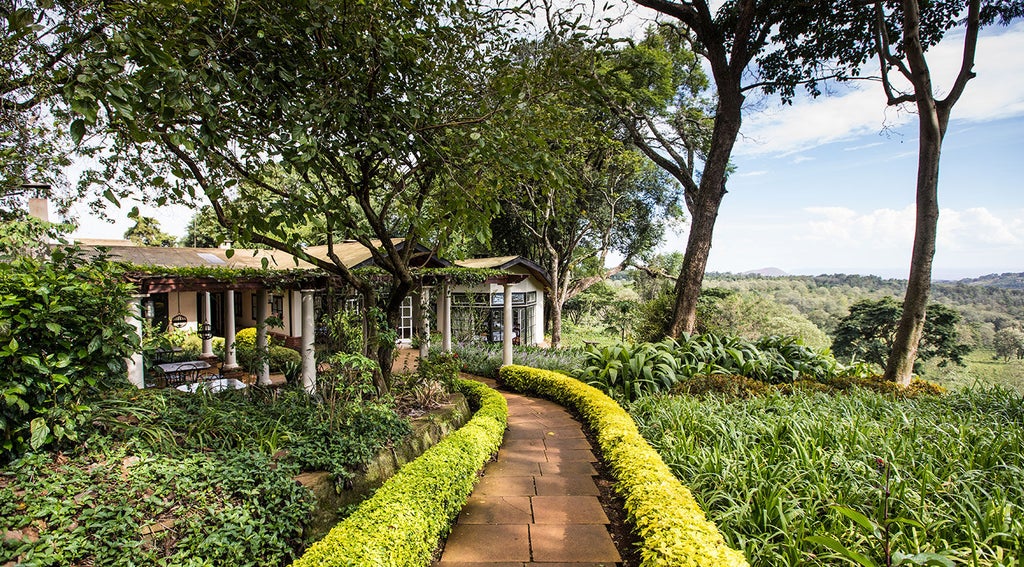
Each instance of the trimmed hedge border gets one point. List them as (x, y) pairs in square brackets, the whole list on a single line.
[(402, 523), (673, 529)]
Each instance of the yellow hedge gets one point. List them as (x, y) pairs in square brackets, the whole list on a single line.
[(672, 527), (404, 521)]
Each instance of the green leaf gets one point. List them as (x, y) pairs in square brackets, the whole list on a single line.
[(109, 195), (922, 559), (77, 131), (40, 432), (833, 544), (864, 522)]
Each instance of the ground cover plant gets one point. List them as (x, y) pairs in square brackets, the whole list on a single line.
[(119, 505), (791, 480), (169, 478), (629, 371)]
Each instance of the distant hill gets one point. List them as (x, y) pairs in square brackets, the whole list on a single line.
[(767, 272), (1006, 281)]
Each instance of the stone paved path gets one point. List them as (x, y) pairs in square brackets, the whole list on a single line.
[(537, 504)]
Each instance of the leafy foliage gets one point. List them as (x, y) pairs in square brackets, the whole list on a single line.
[(242, 509), (773, 481), (63, 340), (867, 333), (628, 372), (335, 435)]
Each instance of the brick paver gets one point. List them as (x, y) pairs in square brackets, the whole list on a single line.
[(537, 505)]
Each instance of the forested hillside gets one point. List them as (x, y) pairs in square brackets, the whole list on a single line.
[(1008, 280), (825, 299)]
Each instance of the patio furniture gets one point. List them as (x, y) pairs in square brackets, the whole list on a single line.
[(212, 386), (177, 373)]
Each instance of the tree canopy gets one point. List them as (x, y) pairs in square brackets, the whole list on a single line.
[(368, 118), (868, 332)]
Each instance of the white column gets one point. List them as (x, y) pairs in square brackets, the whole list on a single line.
[(425, 318), (263, 367), (207, 317), (135, 365), (308, 347), (506, 327), (445, 317), (230, 363)]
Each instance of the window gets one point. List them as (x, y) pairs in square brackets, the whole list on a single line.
[(405, 320), (277, 306), (255, 309)]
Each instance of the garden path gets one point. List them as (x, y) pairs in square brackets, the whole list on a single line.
[(537, 504)]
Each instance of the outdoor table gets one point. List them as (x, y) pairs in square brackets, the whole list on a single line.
[(181, 372), (213, 386)]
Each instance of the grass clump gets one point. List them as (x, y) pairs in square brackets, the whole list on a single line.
[(773, 471)]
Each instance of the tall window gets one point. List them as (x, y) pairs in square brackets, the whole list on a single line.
[(405, 320)]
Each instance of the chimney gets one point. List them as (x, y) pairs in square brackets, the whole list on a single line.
[(39, 208)]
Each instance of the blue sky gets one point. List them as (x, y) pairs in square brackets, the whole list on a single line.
[(827, 185)]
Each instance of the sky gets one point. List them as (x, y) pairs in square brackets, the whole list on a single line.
[(827, 185)]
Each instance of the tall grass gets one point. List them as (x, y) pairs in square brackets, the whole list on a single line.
[(771, 470)]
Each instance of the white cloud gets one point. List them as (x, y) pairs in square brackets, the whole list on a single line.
[(840, 226), (757, 173), (825, 239), (862, 147), (996, 92)]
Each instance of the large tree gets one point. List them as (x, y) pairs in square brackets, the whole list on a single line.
[(585, 194), (871, 328), (41, 44), (366, 117), (694, 141), (146, 232), (901, 33)]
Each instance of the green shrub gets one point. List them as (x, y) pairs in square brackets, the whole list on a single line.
[(441, 367), (671, 526), (281, 356), (63, 339), (405, 519)]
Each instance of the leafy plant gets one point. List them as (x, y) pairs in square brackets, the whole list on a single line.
[(64, 336), (773, 471), (241, 508)]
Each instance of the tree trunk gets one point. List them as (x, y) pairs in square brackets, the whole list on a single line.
[(932, 121), (556, 323), (691, 276), (705, 211)]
